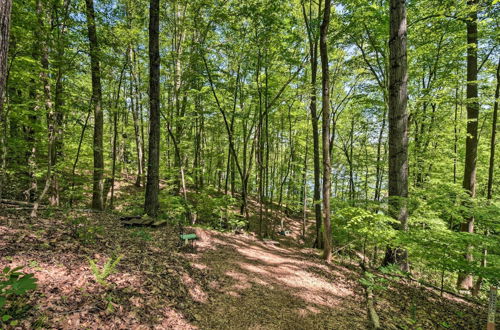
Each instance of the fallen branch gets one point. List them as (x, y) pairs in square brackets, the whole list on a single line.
[(14, 202), (372, 313)]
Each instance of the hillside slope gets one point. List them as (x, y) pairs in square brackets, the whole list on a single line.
[(226, 281)]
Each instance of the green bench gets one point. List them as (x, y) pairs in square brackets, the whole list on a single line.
[(188, 237)]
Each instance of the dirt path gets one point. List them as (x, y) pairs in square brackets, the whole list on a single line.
[(228, 282), (258, 285), (264, 286)]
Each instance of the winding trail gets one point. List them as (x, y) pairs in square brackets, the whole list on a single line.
[(265, 286)]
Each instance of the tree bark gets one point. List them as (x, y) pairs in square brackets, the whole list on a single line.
[(325, 92), (304, 194), (398, 125), (313, 60), (60, 63), (98, 181), (5, 9), (77, 157), (51, 120), (115, 135), (151, 203), (477, 286), (472, 106), (137, 118), (378, 175), (493, 135)]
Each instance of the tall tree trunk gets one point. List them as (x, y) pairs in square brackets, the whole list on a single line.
[(244, 175), (325, 92), (77, 157), (455, 137), (51, 120), (378, 171), (398, 125), (136, 116), (115, 134), (30, 194), (477, 285), (313, 60), (5, 9), (61, 44), (151, 204), (98, 181), (493, 135), (304, 194), (469, 184)]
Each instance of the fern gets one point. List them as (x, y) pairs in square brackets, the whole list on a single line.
[(101, 274)]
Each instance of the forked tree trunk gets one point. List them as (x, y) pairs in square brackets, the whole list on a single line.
[(313, 60)]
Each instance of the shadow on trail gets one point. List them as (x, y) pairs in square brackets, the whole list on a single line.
[(269, 287), (264, 286)]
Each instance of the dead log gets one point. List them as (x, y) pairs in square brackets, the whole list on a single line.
[(372, 313), (14, 202)]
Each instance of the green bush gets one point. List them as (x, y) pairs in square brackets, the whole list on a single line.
[(359, 228), (13, 284), (83, 230), (173, 207), (434, 240), (215, 210)]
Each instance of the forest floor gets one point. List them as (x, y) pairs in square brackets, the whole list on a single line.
[(226, 281)]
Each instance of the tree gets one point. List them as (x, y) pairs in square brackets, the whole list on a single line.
[(325, 93), (491, 166), (5, 9), (98, 181), (312, 37), (398, 124), (471, 141), (42, 34), (151, 204)]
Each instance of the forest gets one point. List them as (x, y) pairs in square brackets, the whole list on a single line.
[(249, 164)]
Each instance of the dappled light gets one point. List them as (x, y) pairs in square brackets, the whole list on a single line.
[(249, 164)]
